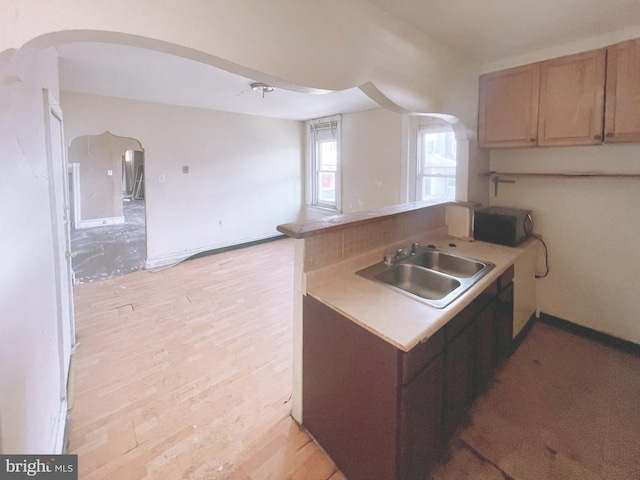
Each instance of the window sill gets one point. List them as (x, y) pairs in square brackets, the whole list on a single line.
[(323, 210)]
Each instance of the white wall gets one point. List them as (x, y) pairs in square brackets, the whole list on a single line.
[(29, 357), (245, 172), (371, 159), (374, 156), (592, 228)]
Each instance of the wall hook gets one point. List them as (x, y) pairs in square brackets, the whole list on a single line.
[(497, 180)]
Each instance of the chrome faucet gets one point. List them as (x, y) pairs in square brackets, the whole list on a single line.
[(400, 254)]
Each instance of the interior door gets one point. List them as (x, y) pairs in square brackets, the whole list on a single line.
[(60, 216)]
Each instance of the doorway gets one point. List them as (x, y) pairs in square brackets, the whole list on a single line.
[(57, 161), (108, 238)]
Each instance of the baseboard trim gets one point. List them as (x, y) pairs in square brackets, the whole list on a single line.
[(59, 440), (236, 247), (586, 332), (171, 259), (100, 222)]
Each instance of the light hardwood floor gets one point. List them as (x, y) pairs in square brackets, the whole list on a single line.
[(185, 373)]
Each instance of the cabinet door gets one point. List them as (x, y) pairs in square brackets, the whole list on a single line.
[(572, 99), (504, 323), (458, 388), (485, 348), (622, 117), (421, 440), (508, 108), (350, 392)]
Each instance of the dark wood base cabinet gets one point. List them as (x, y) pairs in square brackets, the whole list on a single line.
[(382, 413)]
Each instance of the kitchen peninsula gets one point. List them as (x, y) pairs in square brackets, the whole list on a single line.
[(382, 380)]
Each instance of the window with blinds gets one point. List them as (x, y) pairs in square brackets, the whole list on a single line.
[(324, 162)]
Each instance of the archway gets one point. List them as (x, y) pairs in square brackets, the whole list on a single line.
[(108, 234)]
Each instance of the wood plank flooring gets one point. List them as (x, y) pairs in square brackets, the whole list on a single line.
[(185, 373)]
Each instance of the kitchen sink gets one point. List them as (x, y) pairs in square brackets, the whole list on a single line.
[(430, 276), (419, 281), (448, 263)]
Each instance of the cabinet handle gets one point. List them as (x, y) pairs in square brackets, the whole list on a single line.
[(610, 134), (597, 137), (532, 139)]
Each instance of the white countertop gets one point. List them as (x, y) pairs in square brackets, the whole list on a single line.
[(397, 318)]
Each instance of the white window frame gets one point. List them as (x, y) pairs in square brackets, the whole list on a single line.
[(318, 130), (422, 131)]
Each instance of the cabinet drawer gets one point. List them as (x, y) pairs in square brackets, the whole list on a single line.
[(421, 355)]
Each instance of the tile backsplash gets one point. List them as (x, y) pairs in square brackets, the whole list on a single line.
[(338, 245)]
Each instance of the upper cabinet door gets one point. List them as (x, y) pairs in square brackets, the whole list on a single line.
[(572, 99), (508, 109), (622, 115)]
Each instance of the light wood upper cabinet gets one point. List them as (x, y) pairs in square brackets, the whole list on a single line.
[(562, 101), (622, 111), (571, 110), (508, 109)]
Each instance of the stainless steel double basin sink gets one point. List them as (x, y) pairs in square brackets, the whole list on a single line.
[(431, 276)]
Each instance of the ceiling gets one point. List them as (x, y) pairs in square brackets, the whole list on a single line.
[(147, 75), (491, 30), (486, 31)]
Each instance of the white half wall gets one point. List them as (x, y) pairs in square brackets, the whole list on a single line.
[(592, 229), (244, 178)]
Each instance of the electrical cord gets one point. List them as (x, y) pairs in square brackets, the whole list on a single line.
[(528, 230), (546, 256)]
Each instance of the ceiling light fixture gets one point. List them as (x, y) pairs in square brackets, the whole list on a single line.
[(261, 87)]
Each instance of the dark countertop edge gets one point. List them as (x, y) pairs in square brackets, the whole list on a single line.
[(331, 223)]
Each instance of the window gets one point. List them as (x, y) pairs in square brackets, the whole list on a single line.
[(436, 172), (324, 163)]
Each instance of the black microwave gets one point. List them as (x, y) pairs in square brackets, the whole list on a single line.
[(502, 225)]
